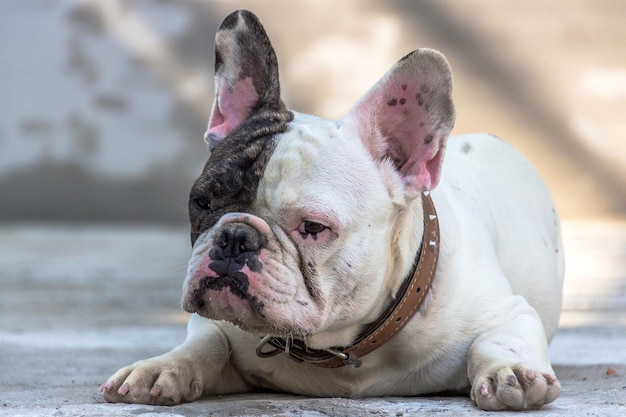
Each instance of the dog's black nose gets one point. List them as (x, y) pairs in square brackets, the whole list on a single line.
[(237, 238)]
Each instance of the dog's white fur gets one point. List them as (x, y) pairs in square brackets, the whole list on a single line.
[(486, 324), (496, 295)]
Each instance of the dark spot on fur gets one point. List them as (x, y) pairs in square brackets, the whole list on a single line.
[(392, 102), (466, 148), (422, 124), (428, 139), (427, 107), (404, 87), (402, 101), (420, 99)]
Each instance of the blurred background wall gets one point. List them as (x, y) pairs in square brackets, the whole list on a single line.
[(103, 103)]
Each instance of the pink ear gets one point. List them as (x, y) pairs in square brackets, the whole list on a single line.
[(246, 75), (407, 117), (231, 107)]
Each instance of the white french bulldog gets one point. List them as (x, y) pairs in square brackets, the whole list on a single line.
[(305, 232)]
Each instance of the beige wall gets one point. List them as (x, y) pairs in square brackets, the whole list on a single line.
[(105, 102)]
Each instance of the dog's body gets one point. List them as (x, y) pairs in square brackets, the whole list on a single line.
[(306, 228)]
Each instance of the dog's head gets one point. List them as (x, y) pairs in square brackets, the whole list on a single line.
[(303, 226)]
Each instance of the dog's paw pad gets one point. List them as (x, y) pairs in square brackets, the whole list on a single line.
[(514, 387)]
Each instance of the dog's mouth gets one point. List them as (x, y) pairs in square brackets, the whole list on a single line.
[(227, 298), (236, 285)]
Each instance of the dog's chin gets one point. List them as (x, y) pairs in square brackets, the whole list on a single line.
[(246, 314), (250, 320), (258, 327), (261, 330)]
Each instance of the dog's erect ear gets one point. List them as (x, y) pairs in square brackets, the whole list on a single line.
[(407, 117), (246, 75)]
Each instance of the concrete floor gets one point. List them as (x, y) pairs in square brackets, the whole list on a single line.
[(77, 303)]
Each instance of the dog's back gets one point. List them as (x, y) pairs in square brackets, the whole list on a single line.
[(519, 214)]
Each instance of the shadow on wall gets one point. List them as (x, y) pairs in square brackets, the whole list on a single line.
[(69, 192)]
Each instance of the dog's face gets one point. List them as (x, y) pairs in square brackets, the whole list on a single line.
[(301, 225)]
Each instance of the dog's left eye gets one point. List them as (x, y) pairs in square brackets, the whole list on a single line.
[(202, 203), (309, 228)]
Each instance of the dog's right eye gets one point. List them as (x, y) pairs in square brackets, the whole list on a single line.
[(202, 203), (309, 228)]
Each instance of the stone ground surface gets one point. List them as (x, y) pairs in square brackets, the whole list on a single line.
[(77, 303)]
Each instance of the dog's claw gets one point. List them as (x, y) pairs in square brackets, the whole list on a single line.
[(124, 389), (156, 391), (107, 386)]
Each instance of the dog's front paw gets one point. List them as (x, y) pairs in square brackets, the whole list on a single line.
[(163, 380), (516, 387)]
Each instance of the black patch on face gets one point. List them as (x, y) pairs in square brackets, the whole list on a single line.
[(231, 176)]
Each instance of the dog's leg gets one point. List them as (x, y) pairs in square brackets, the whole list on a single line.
[(509, 366), (199, 366)]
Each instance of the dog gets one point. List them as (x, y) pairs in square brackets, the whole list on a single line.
[(345, 258)]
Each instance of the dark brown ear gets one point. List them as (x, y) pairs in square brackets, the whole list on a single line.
[(246, 75), (407, 117)]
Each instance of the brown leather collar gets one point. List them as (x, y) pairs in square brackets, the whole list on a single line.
[(410, 297)]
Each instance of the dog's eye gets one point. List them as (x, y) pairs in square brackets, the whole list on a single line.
[(309, 228), (202, 203)]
